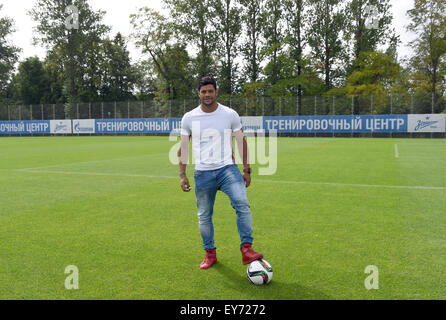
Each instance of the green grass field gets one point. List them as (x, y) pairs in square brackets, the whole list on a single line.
[(112, 206)]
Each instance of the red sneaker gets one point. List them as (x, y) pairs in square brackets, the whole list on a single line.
[(209, 260), (248, 254)]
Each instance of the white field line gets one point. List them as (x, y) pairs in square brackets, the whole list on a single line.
[(254, 180), (89, 162), (97, 174), (397, 154), (335, 184)]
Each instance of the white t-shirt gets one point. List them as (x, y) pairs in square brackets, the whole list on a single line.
[(211, 136)]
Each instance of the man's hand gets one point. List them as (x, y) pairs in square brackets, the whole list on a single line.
[(185, 186), (247, 178)]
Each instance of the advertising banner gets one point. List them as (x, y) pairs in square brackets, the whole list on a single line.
[(336, 124), (60, 127), (161, 125), (86, 126), (252, 124), (427, 123), (25, 127)]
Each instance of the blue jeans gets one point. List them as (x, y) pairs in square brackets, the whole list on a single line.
[(229, 180)]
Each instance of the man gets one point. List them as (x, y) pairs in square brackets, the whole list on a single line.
[(211, 126)]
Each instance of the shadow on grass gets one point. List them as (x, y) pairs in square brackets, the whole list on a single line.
[(273, 291)]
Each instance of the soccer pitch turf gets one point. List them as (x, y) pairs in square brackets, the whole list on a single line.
[(112, 207)]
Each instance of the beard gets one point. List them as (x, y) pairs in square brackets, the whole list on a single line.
[(208, 103)]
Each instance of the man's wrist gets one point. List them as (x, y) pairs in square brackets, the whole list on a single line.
[(183, 175), (247, 169)]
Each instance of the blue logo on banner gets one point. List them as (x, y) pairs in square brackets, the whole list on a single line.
[(423, 124), (79, 129), (61, 126)]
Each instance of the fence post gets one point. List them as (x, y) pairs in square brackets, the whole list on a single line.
[(433, 102), (128, 109), (411, 110), (334, 113), (263, 106), (334, 107), (371, 112), (315, 111), (280, 106), (246, 106), (315, 105), (297, 105), (391, 104), (353, 105), (77, 110), (54, 111), (353, 111), (116, 111), (391, 111), (9, 113), (30, 112), (41, 109)]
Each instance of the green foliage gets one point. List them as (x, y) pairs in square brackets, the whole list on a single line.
[(273, 48), (428, 20), (327, 21), (191, 21), (78, 47), (375, 75), (228, 28), (369, 25), (31, 81), (253, 19), (171, 63), (8, 54), (118, 74)]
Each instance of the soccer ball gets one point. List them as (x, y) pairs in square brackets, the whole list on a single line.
[(259, 272)]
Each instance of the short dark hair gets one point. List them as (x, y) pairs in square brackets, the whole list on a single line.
[(206, 81)]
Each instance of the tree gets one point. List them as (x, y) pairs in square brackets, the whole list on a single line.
[(154, 34), (428, 20), (369, 25), (377, 73), (191, 19), (8, 54), (55, 77), (228, 29), (296, 21), (119, 76), (75, 42), (324, 37), (273, 33), (253, 21), (31, 81)]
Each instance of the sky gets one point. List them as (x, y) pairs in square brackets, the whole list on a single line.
[(117, 16)]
